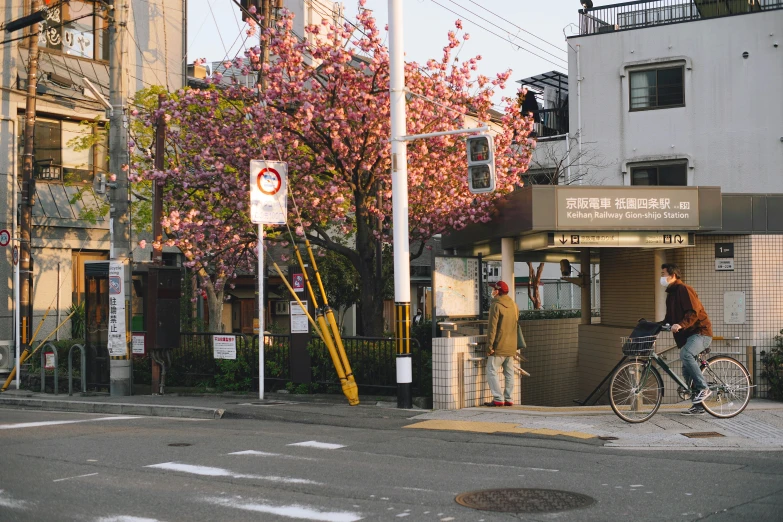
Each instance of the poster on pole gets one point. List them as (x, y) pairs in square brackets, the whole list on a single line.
[(224, 346), (456, 286), (298, 318), (118, 345), (268, 192)]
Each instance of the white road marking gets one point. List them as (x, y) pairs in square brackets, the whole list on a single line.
[(267, 454), (55, 423), (123, 518), (220, 472), (292, 511), (7, 502), (403, 515), (637, 485), (78, 476), (316, 444), (543, 469), (417, 489)]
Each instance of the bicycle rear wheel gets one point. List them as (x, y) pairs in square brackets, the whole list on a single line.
[(729, 382), (635, 391)]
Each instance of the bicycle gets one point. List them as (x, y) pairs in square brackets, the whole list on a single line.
[(636, 389)]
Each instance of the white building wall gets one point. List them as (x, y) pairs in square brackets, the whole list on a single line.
[(731, 126)]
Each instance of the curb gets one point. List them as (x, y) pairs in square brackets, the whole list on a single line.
[(116, 408)]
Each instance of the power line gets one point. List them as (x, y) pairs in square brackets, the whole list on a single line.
[(520, 28), (501, 37), (517, 37)]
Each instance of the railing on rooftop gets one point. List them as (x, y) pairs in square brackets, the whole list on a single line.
[(554, 122), (649, 13)]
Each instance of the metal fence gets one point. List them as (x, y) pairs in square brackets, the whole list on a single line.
[(636, 15), (372, 359)]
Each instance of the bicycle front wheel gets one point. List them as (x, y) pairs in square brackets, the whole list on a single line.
[(729, 382), (636, 391)]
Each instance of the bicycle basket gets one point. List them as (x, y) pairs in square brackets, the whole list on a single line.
[(639, 346)]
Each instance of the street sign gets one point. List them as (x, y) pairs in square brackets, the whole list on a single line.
[(15, 255), (138, 346), (224, 347), (579, 239), (298, 282), (299, 322), (268, 192), (5, 237), (117, 340)]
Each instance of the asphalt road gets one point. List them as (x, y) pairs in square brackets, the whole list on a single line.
[(65, 466)]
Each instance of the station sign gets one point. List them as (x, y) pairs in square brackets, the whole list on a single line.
[(606, 239), (621, 208)]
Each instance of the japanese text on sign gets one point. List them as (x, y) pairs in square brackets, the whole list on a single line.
[(224, 346), (627, 207), (118, 344)]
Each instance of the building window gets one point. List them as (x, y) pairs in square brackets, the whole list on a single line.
[(66, 151), (540, 177), (657, 88), (76, 28), (664, 174)]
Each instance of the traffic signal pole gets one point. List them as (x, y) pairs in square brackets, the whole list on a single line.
[(399, 175)]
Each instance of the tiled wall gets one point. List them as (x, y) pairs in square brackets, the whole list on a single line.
[(552, 361)]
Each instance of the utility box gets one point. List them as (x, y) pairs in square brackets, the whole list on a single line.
[(162, 321)]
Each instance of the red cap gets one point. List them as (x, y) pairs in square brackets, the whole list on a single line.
[(501, 286)]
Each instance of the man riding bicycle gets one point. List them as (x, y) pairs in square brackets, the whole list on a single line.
[(692, 331)]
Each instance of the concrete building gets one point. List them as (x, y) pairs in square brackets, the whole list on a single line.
[(73, 46), (681, 101)]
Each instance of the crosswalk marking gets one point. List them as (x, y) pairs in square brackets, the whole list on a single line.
[(123, 518), (267, 454), (220, 472), (22, 425), (292, 511), (316, 444), (78, 476)]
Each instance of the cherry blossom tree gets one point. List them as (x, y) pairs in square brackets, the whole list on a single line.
[(326, 112)]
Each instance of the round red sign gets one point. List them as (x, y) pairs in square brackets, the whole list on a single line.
[(269, 181), (5, 237)]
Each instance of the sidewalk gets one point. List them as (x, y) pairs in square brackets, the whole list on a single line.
[(759, 427)]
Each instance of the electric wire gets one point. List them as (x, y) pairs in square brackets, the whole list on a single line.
[(500, 36), (518, 27), (517, 37)]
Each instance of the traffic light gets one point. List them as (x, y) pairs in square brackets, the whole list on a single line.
[(481, 164)]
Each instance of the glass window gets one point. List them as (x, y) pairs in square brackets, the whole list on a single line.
[(657, 88), (665, 174)]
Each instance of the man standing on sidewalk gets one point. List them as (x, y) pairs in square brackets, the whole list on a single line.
[(692, 331), (501, 344)]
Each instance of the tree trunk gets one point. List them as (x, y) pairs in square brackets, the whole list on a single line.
[(533, 288), (371, 281), (215, 304)]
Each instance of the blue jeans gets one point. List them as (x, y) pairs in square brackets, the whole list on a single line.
[(690, 368), (494, 362)]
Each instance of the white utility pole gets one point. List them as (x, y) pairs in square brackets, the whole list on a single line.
[(399, 175)]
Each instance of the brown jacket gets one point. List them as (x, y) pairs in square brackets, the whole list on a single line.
[(684, 308), (502, 335)]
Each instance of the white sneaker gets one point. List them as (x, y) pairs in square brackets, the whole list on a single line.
[(699, 397)]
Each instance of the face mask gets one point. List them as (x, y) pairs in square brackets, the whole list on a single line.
[(664, 281)]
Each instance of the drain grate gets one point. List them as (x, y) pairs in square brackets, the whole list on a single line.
[(180, 444), (703, 434), (607, 437), (511, 500)]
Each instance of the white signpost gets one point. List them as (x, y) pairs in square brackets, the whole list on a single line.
[(268, 205)]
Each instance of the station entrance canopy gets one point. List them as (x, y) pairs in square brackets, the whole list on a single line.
[(549, 221)]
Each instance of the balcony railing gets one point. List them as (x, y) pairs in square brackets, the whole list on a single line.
[(554, 122), (636, 15)]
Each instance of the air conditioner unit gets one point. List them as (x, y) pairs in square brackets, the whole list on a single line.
[(6, 355)]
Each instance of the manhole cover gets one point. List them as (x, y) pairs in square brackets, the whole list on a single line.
[(703, 434), (512, 500), (180, 444)]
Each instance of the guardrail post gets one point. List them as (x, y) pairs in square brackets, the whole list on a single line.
[(83, 367)]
